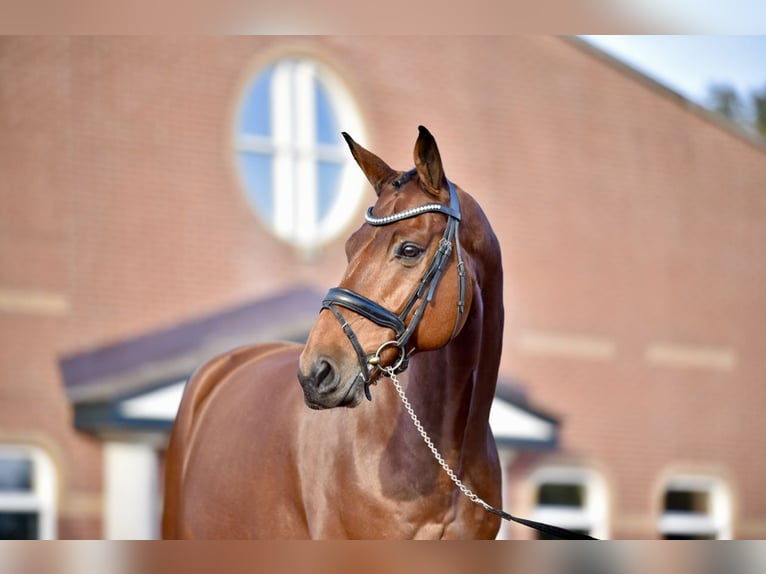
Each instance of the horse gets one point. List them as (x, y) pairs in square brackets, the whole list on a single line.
[(420, 303)]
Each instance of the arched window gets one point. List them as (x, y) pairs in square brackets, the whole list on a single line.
[(27, 494), (571, 497), (296, 170), (695, 507)]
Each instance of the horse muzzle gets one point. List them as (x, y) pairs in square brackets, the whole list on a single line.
[(325, 387)]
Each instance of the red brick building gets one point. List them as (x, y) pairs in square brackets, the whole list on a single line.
[(633, 227)]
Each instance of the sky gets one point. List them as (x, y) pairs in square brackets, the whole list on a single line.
[(692, 16), (690, 64)]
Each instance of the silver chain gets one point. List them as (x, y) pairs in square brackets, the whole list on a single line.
[(389, 371), (554, 530)]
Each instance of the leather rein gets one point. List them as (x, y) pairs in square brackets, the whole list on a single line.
[(418, 301)]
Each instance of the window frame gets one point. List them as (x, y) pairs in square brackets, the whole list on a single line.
[(42, 496), (716, 522), (295, 151), (592, 517)]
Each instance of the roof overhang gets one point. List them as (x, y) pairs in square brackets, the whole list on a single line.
[(134, 387), (153, 411)]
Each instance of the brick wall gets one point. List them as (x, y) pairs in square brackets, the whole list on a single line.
[(631, 224)]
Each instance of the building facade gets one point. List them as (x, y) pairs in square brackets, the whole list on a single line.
[(163, 199)]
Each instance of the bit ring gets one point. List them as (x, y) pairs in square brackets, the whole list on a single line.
[(375, 360)]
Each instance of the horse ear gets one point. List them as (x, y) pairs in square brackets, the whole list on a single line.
[(376, 170), (428, 162)]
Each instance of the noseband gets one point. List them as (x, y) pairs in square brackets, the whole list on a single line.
[(361, 305)]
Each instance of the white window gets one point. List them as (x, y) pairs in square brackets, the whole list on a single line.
[(294, 165), (695, 507), (27, 494), (572, 498)]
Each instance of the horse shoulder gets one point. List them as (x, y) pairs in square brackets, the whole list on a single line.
[(203, 383)]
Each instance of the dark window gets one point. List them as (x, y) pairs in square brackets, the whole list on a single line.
[(544, 536), (18, 525), (689, 537), (687, 501), (19, 520), (561, 494)]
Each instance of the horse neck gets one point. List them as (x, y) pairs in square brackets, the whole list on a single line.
[(452, 389)]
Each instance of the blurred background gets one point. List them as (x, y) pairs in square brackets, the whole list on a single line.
[(166, 199)]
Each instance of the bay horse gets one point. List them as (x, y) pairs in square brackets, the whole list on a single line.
[(251, 457)]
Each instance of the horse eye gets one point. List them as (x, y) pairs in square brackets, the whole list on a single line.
[(409, 251)]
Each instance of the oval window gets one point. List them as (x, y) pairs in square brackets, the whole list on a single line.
[(296, 170)]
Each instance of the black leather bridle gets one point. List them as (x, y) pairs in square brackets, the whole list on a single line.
[(361, 305), (418, 301)]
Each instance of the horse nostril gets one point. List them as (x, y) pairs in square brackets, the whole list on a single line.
[(324, 375)]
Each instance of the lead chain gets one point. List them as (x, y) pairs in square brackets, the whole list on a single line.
[(391, 374)]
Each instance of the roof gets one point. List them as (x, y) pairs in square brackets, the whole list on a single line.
[(169, 355), (517, 424)]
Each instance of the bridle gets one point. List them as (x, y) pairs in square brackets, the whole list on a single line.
[(342, 297), (418, 301)]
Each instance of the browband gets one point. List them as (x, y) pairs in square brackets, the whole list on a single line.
[(414, 212), (453, 211)]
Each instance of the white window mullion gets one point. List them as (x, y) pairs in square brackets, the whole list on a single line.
[(19, 502), (282, 94), (306, 175), (688, 523), (331, 154), (255, 144)]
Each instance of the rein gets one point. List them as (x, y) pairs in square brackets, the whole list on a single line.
[(555, 531), (361, 305)]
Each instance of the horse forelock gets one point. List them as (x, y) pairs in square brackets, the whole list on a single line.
[(404, 178)]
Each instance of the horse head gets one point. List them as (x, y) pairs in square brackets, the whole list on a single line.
[(406, 286)]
